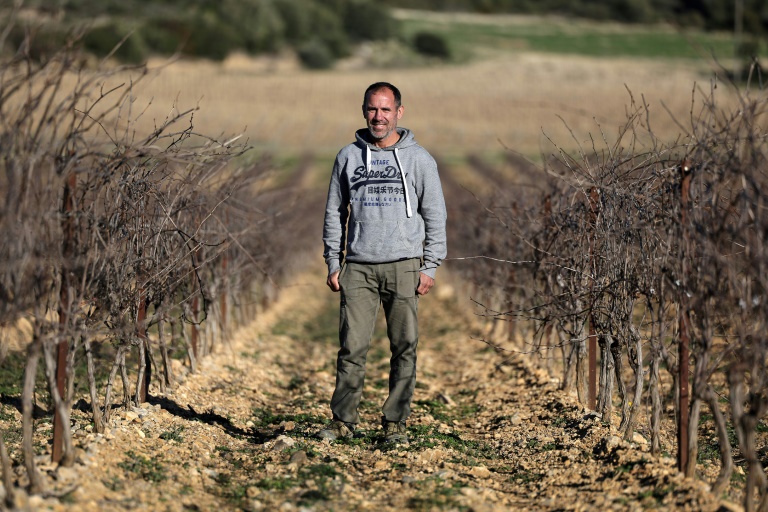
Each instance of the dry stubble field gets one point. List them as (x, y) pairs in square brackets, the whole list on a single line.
[(514, 101)]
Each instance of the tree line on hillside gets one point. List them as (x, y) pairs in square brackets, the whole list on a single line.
[(319, 31)]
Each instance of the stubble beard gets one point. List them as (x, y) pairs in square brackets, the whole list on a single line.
[(376, 136)]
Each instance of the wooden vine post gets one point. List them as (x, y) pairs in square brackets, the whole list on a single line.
[(196, 305), (141, 333), (594, 211), (224, 292), (65, 306), (684, 344)]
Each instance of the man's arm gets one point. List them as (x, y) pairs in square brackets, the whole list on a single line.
[(334, 226), (432, 210)]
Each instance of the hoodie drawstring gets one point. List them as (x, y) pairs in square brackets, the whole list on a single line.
[(408, 211)]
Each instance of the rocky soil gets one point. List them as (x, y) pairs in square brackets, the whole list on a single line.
[(489, 431)]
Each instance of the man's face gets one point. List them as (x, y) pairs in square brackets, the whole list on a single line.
[(381, 115)]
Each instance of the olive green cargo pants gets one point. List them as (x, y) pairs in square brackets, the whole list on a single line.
[(364, 287)]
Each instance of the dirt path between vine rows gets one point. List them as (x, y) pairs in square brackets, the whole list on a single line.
[(237, 435)]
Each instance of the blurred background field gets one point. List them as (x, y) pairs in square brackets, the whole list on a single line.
[(483, 78), (515, 83)]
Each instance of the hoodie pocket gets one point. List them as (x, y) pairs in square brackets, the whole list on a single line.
[(382, 240)]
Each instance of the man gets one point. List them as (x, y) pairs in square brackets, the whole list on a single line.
[(386, 201)]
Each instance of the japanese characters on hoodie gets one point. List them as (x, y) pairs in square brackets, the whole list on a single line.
[(391, 201)]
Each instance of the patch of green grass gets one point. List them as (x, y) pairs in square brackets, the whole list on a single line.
[(223, 479), (277, 484), (149, 469), (12, 436), (369, 407), (173, 435), (554, 35), (12, 374), (436, 496), (6, 413), (525, 476), (12, 378), (263, 418), (309, 449), (436, 409), (113, 483), (324, 328), (362, 438), (709, 450), (295, 383), (321, 470), (656, 494), (627, 467), (379, 353), (237, 493), (324, 475), (468, 409), (68, 499), (424, 436), (251, 355)]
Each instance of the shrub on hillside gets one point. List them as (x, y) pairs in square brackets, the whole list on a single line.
[(298, 18), (166, 35), (368, 21), (39, 43), (432, 45), (315, 55), (210, 38), (301, 19), (257, 24), (104, 39)]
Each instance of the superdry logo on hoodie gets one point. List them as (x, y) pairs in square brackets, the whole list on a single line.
[(379, 188), (389, 173)]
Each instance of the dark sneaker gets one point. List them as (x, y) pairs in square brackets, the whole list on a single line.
[(394, 432), (336, 430)]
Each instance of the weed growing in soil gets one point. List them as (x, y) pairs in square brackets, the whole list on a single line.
[(276, 484), (525, 476), (424, 436), (304, 423), (173, 434), (435, 493), (435, 408), (149, 469)]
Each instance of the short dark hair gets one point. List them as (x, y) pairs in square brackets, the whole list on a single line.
[(383, 85)]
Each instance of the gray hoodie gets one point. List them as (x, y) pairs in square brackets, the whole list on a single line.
[(393, 201)]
